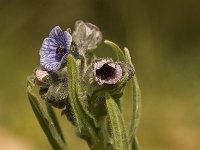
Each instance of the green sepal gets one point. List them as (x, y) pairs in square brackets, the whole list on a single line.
[(46, 121), (118, 130), (112, 89)]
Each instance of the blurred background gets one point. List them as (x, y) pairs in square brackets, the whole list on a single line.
[(164, 41)]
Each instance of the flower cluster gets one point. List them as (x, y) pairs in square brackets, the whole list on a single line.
[(51, 76), (87, 88)]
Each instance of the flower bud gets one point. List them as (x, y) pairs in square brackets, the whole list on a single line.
[(57, 94)]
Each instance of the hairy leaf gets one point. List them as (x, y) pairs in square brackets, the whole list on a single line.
[(53, 117), (84, 123), (117, 125), (47, 124), (136, 98)]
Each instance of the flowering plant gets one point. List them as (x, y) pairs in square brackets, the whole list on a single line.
[(86, 88)]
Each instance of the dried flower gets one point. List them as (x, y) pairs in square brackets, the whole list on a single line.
[(86, 36), (55, 49), (107, 72)]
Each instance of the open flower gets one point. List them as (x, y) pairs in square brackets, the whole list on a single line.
[(86, 36), (55, 49), (107, 72)]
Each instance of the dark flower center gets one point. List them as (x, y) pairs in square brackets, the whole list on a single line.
[(106, 72), (60, 51)]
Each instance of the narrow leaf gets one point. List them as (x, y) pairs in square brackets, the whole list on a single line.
[(46, 123), (53, 117), (82, 120), (72, 78), (117, 125), (136, 98), (118, 52), (127, 56)]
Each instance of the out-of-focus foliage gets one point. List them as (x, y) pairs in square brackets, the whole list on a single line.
[(163, 38)]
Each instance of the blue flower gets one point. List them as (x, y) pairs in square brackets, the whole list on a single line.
[(54, 49)]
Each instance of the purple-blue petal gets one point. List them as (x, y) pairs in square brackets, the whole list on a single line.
[(55, 66), (67, 40), (57, 34), (48, 56), (50, 62), (49, 46)]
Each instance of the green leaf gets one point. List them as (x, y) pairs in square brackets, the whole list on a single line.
[(127, 56), (117, 125), (46, 122), (53, 117), (136, 98), (84, 123), (72, 77), (118, 52)]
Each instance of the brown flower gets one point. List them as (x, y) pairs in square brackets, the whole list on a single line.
[(107, 72)]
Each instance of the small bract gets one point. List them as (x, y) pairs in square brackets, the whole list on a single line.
[(107, 72), (86, 36), (55, 49)]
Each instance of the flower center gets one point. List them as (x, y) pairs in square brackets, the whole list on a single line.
[(60, 51), (106, 72)]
